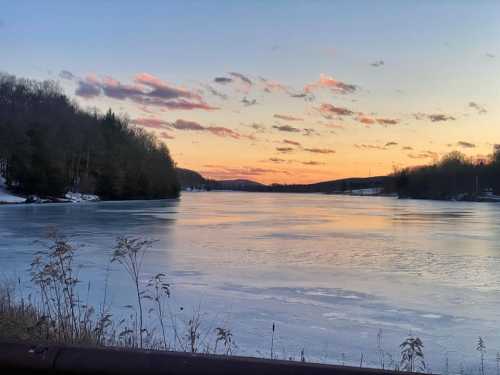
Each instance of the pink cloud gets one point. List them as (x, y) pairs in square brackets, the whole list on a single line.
[(147, 90), (165, 135), (221, 131), (328, 82), (151, 123), (162, 88), (186, 125), (366, 120), (329, 110)]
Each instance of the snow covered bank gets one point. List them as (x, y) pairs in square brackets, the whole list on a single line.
[(79, 197), (70, 197), (6, 196)]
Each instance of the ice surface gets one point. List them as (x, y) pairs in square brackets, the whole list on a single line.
[(330, 271)]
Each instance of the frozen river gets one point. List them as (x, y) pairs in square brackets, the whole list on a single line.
[(330, 271)]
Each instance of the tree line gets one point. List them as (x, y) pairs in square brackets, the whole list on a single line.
[(49, 146), (453, 177)]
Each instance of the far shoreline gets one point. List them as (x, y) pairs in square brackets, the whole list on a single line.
[(60, 200)]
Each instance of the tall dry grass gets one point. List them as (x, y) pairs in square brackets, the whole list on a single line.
[(57, 309)]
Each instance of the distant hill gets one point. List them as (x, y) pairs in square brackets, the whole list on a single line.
[(192, 179), (342, 185), (239, 184)]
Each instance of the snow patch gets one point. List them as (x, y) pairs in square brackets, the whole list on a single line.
[(6, 196), (367, 191), (79, 197)]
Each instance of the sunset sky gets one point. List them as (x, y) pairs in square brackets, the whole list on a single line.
[(275, 91)]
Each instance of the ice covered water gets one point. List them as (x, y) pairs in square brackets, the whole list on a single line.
[(330, 271)]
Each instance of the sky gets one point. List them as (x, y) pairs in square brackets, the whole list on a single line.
[(275, 91)]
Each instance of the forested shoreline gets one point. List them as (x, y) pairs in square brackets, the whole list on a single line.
[(49, 146), (454, 177)]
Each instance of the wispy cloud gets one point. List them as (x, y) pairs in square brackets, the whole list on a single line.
[(221, 131), (271, 86), (215, 92), (223, 80), (259, 128), (329, 111), (307, 96), (364, 146), (320, 150), (277, 160), (147, 90), (332, 125), (285, 150), (247, 102), (291, 161), (424, 155), (161, 89), (152, 123), (330, 83), (310, 131), (312, 162), (186, 125), (286, 128), (165, 135), (242, 77), (287, 117), (218, 131), (384, 147), (244, 82), (366, 120), (434, 117), (480, 109), (289, 142), (387, 121), (377, 63), (464, 144)]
